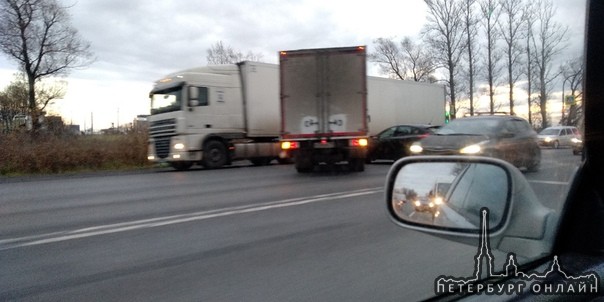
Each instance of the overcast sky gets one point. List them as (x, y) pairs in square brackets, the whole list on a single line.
[(137, 42)]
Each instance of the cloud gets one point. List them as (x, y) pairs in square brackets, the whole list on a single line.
[(137, 42)]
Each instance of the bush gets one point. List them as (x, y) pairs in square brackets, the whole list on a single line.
[(23, 153)]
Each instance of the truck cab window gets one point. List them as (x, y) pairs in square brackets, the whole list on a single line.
[(203, 96)]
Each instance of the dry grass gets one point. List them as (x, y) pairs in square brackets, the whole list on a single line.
[(43, 154)]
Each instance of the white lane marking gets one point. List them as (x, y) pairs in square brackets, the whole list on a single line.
[(549, 182), (174, 219)]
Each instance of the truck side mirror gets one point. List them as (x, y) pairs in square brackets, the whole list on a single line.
[(193, 96)]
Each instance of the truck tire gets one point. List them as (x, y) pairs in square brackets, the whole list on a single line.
[(181, 166), (356, 164), (261, 161), (214, 155), (304, 165), (285, 161)]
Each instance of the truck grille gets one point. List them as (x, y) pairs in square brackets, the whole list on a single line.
[(162, 131), (162, 128), (162, 147)]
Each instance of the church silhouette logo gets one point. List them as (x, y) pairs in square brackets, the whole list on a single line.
[(554, 281)]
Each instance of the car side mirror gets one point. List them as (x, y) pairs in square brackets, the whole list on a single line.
[(193, 96), (447, 196)]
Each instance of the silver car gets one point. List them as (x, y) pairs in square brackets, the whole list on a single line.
[(559, 136)]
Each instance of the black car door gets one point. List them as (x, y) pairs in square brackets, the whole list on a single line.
[(399, 142)]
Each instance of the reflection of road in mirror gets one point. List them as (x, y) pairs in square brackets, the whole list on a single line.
[(450, 194)]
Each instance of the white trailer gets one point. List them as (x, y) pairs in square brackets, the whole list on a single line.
[(394, 102)]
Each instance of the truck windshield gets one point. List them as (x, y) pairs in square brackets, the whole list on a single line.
[(166, 100)]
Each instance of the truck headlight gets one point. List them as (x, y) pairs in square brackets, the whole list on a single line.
[(179, 146)]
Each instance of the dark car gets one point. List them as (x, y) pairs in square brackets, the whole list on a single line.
[(577, 145), (506, 137), (394, 142)]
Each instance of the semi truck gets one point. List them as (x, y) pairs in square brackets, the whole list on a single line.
[(215, 115), (324, 107)]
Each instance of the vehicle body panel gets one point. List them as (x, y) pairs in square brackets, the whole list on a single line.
[(393, 143)]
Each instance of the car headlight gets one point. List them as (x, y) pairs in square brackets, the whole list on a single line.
[(471, 149), (438, 200), (576, 140), (179, 146), (417, 203), (415, 148), (548, 139)]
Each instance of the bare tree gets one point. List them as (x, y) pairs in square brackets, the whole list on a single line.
[(470, 22), (490, 12), (420, 62), (511, 31), (547, 42), (219, 54), (39, 36), (13, 100), (407, 60), (389, 58), (572, 72), (529, 20), (445, 35)]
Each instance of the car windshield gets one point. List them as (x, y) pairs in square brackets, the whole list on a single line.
[(470, 126), (264, 179), (550, 131)]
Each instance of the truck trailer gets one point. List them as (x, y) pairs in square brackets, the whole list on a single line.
[(215, 115), (324, 107)]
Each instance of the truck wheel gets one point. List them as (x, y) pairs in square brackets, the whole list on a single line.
[(356, 164), (284, 161), (214, 155), (304, 165), (181, 166), (261, 161)]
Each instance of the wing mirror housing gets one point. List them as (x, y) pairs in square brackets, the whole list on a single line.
[(446, 196), (193, 96)]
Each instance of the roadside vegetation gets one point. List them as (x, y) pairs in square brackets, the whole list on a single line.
[(23, 153)]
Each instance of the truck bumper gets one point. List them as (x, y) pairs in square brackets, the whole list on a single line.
[(172, 149), (330, 152)]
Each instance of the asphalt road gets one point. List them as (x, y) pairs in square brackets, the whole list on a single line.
[(234, 234)]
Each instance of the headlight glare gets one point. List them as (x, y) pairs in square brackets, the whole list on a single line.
[(471, 149), (416, 148)]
